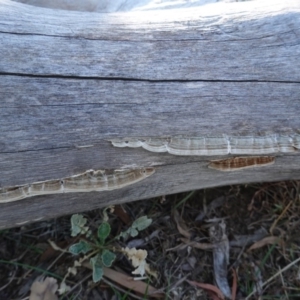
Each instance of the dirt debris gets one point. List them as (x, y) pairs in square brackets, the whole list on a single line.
[(262, 236)]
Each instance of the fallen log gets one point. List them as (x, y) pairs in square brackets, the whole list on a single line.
[(73, 82)]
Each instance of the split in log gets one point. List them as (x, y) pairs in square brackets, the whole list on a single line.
[(72, 81)]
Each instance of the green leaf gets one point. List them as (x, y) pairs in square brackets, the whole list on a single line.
[(141, 223), (77, 225), (103, 232), (81, 247), (124, 235), (133, 232), (138, 225), (129, 232), (107, 258), (97, 268)]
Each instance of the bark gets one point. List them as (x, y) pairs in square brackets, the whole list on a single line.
[(71, 81)]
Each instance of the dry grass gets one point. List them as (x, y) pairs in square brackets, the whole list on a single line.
[(263, 225)]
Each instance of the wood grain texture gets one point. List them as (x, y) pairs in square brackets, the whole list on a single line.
[(71, 81)]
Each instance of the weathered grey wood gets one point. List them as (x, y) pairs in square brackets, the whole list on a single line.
[(225, 41), (43, 113), (168, 179), (70, 79)]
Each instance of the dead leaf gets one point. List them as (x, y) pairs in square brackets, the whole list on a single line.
[(138, 259), (56, 247), (218, 295), (64, 288), (50, 252), (44, 289), (121, 213), (203, 246), (247, 240), (234, 284), (181, 226), (218, 237), (266, 241), (129, 283)]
